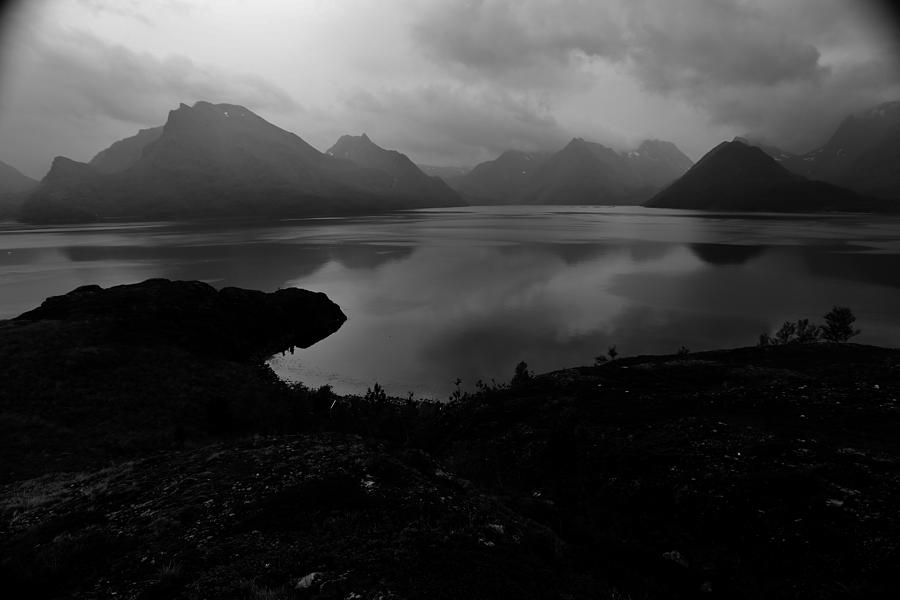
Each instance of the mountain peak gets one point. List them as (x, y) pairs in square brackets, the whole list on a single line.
[(737, 176), (62, 167)]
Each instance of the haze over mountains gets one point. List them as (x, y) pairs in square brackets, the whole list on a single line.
[(214, 160)]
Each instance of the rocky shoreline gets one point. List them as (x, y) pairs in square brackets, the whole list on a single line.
[(141, 461)]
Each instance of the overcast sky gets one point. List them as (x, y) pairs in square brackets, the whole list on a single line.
[(447, 82)]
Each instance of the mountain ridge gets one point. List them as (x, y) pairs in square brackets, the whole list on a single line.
[(213, 160)]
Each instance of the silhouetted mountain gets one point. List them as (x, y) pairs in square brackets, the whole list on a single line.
[(738, 176), (14, 185), (502, 180), (860, 155), (125, 153), (213, 160), (408, 180), (589, 173)]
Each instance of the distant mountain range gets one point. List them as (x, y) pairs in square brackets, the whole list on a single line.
[(737, 176), (581, 173), (499, 181), (212, 160)]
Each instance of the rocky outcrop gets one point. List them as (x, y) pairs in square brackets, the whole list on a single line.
[(232, 323), (98, 375)]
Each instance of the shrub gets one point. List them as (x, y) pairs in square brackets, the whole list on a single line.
[(837, 328), (786, 333), (375, 394), (521, 375), (839, 325), (807, 333), (612, 352)]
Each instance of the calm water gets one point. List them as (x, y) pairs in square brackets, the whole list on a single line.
[(434, 295)]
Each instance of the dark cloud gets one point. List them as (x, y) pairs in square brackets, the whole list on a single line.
[(517, 42), (669, 45), (754, 65)]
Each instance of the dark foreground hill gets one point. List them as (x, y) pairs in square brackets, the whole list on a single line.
[(737, 176), (213, 160), (750, 473)]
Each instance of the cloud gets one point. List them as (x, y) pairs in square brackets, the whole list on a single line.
[(136, 9), (83, 93), (455, 124), (108, 80), (668, 45), (753, 65)]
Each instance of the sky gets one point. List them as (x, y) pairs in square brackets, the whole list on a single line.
[(450, 83)]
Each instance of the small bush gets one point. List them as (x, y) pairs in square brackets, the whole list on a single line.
[(807, 333), (374, 394), (786, 334), (521, 375)]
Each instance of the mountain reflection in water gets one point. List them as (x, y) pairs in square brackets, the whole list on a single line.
[(434, 295)]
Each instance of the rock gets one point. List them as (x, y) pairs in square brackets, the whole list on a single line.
[(231, 323), (308, 581), (112, 373)]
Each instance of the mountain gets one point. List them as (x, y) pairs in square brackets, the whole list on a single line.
[(590, 173), (408, 180), (499, 181), (212, 160), (444, 173), (861, 154), (738, 176), (14, 185), (125, 153), (581, 173), (13, 180)]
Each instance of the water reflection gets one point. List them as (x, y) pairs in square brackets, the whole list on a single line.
[(725, 254), (437, 294)]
